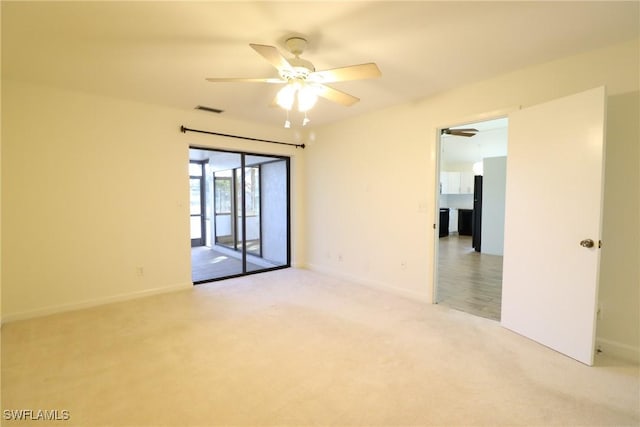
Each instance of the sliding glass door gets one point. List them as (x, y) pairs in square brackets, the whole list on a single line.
[(248, 209)]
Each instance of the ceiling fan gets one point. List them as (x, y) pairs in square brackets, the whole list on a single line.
[(459, 132), (302, 82)]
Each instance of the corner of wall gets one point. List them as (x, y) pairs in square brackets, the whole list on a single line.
[(618, 350), (401, 292)]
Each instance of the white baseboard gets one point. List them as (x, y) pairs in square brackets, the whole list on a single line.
[(45, 311), (618, 350), (370, 283)]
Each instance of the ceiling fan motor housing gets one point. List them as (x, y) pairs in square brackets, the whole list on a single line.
[(296, 45), (300, 68)]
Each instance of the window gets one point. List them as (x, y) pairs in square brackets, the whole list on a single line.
[(252, 190), (223, 192)]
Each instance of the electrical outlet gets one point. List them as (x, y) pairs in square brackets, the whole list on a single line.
[(140, 271)]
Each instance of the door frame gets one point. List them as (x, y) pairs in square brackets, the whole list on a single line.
[(483, 117), (276, 158)]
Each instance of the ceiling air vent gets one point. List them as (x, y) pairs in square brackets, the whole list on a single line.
[(209, 109)]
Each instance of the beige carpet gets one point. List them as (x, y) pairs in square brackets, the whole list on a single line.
[(292, 347)]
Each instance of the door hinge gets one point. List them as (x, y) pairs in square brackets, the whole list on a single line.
[(434, 226), (599, 244)]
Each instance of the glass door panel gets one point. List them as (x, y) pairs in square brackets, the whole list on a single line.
[(227, 261), (252, 210), (267, 204), (274, 212)]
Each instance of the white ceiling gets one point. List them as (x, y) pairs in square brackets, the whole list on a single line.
[(161, 52), (491, 140)]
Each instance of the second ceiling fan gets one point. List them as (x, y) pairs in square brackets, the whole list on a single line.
[(303, 84), (468, 132)]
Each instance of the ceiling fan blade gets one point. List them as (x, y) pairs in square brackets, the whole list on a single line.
[(240, 79), (460, 132), (271, 54), (335, 95), (352, 72)]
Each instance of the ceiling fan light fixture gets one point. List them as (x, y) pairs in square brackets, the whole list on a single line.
[(307, 98), (301, 72), (286, 96), (296, 90)]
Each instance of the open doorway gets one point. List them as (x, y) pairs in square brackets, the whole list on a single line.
[(472, 184), (239, 213)]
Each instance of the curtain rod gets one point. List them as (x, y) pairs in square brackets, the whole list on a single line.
[(186, 129)]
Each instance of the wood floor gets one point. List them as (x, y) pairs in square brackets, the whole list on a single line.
[(467, 280)]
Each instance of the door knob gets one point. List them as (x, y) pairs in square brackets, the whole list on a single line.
[(587, 243)]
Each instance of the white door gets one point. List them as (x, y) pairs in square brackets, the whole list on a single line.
[(553, 203)]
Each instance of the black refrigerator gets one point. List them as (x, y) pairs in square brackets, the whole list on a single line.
[(476, 228)]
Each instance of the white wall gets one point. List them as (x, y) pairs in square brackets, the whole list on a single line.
[(93, 188), (494, 183), (459, 153), (372, 179), (458, 201), (619, 325)]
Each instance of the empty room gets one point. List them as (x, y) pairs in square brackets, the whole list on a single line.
[(231, 213)]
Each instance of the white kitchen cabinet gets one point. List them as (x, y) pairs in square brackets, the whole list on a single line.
[(456, 182), (466, 182), (444, 183)]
